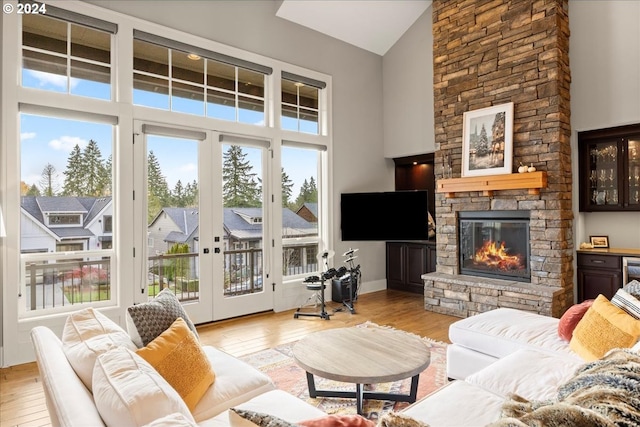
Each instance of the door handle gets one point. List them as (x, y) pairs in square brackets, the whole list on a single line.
[(216, 250)]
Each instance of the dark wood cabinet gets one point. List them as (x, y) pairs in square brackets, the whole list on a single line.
[(609, 169), (407, 262), (598, 274)]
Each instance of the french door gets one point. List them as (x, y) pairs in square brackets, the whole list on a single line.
[(204, 219), (242, 285)]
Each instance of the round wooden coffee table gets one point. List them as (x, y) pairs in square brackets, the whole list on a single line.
[(362, 355)]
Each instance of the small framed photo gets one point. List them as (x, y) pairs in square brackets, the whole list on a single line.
[(599, 241), (487, 141)]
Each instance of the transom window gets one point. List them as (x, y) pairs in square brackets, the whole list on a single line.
[(65, 57), (300, 104), (184, 82)]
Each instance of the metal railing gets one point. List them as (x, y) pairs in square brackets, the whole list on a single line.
[(67, 282)]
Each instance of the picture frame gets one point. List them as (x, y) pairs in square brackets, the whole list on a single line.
[(599, 241), (487, 141)]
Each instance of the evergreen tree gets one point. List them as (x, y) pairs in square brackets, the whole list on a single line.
[(157, 187), (95, 177), (308, 192), (48, 186), (287, 189), (108, 170), (312, 195), (73, 175), (178, 195), (239, 186), (482, 147), (33, 191), (191, 194)]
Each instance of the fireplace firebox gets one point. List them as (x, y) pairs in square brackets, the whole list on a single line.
[(495, 244)]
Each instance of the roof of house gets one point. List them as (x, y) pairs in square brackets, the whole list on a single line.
[(313, 208), (236, 224), (38, 206)]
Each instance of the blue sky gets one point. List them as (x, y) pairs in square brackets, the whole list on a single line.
[(50, 140)]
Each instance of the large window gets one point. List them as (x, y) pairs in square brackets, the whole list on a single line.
[(185, 82), (77, 80), (65, 57), (300, 216), (65, 182)]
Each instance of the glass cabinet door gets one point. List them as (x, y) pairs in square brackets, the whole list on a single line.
[(633, 176), (609, 169), (604, 159)]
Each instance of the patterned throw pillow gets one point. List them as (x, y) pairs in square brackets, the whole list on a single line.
[(633, 287), (148, 320), (627, 302), (244, 418)]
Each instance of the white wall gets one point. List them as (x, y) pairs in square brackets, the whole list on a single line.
[(359, 163), (604, 57), (407, 76)]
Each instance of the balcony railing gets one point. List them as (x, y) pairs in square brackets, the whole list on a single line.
[(67, 282)]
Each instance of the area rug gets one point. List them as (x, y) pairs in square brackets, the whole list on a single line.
[(278, 364)]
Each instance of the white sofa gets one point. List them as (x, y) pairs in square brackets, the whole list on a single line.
[(493, 354)]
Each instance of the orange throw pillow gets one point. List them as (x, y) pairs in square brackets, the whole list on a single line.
[(338, 421), (177, 356), (570, 319), (602, 328)]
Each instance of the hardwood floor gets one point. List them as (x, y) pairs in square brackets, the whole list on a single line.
[(22, 401)]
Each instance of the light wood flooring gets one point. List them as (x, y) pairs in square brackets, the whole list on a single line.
[(22, 401)]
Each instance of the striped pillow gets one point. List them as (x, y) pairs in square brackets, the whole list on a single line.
[(627, 302)]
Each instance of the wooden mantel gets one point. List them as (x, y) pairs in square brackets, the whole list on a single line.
[(532, 181)]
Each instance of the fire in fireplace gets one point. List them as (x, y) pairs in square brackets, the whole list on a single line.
[(495, 244)]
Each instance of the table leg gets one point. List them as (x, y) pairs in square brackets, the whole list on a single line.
[(359, 398), (312, 386), (414, 388)]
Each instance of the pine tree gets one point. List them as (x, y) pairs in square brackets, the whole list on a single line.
[(239, 186), (287, 189), (191, 194), (48, 185), (33, 191), (94, 174), (308, 192), (157, 187), (482, 148), (73, 175), (178, 195), (108, 170), (312, 194)]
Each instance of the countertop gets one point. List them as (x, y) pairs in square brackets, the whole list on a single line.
[(612, 251)]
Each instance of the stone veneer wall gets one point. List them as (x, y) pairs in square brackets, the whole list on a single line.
[(486, 53)]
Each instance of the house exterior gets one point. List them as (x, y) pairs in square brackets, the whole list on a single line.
[(308, 211), (61, 224)]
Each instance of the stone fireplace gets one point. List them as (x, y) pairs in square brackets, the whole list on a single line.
[(495, 244), (487, 53)]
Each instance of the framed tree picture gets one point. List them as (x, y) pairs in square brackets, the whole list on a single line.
[(487, 141)]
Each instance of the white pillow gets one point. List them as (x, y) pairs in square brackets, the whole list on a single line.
[(173, 420), (87, 334), (128, 392)]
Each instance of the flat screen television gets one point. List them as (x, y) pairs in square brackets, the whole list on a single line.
[(393, 215)]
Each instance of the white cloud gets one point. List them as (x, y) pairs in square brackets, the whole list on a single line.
[(27, 135), (189, 167), (66, 143), (45, 79)]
